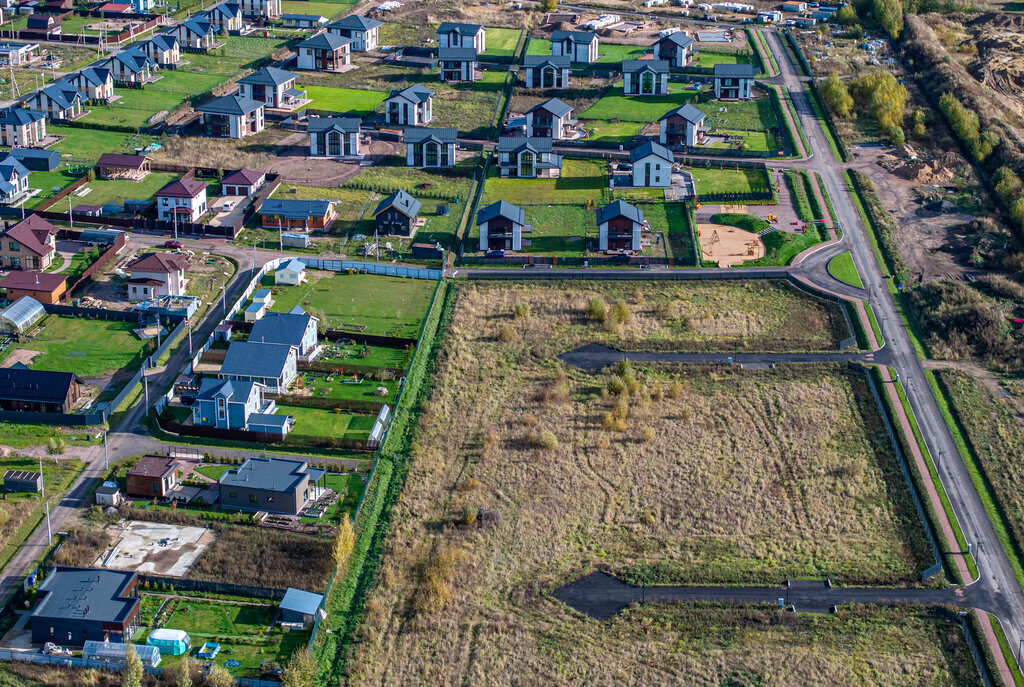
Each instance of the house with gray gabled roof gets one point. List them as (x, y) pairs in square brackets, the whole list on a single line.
[(196, 32), (59, 100), (645, 77), (273, 485), (652, 164), (291, 213), (528, 158), (271, 86), (733, 81), (324, 52), (21, 127), (546, 71), (232, 116), (425, 147), (675, 48), (334, 137), (361, 30), (162, 48), (682, 126), (95, 83), (272, 365), (130, 66), (397, 214), (238, 405), (411, 106), (457, 64), (619, 227), (459, 35), (579, 46), (225, 16), (290, 329), (550, 119), (13, 181), (501, 227)]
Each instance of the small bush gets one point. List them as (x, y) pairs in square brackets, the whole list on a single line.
[(647, 435), (469, 515), (506, 334), (620, 312), (596, 309), (522, 311), (675, 391), (544, 439), (529, 420)]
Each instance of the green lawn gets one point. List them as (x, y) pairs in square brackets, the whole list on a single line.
[(842, 268), (86, 145), (558, 230), (539, 46), (782, 246), (327, 385), (215, 618), (581, 180), (324, 9), (742, 115), (612, 53), (751, 223), (118, 191), (348, 100), (706, 58), (324, 422), (501, 42), (85, 347), (213, 471), (615, 132), (349, 488), (358, 354), (22, 511), (644, 108), (712, 180)]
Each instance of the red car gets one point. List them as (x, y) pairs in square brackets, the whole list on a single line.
[(173, 244)]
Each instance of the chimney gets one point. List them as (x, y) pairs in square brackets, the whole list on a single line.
[(37, 279)]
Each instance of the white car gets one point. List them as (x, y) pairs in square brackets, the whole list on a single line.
[(228, 206)]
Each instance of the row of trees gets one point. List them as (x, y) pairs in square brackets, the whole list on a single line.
[(965, 124), (876, 93)]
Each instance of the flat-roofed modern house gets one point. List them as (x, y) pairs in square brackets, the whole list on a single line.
[(271, 86), (458, 35), (273, 365), (162, 48), (549, 119), (580, 46), (37, 159), (273, 485), (96, 83), (39, 391), (21, 127), (154, 475), (324, 52), (619, 226), (457, 64), (682, 126), (183, 198), (411, 106), (232, 116), (501, 227), (547, 71), (334, 137), (362, 31), (645, 77), (291, 213), (59, 100), (290, 329), (303, 21), (17, 54), (675, 48), (528, 158), (86, 604), (244, 182), (425, 147), (28, 245), (733, 81), (396, 215), (652, 164)]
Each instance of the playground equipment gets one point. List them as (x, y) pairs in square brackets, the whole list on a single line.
[(772, 217), (714, 240)]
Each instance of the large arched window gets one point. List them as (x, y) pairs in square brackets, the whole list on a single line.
[(526, 164)]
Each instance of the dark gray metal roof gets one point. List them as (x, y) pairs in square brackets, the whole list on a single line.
[(559, 61), (501, 209), (554, 106), (210, 388), (582, 37), (345, 125), (272, 474), (460, 28), (687, 112), (292, 208), (416, 93), (269, 76), (619, 208), (401, 201), (280, 328), (514, 144), (422, 134), (300, 601), (734, 71), (18, 384), (456, 54), (230, 105), (325, 41), (86, 594), (679, 38), (656, 66), (650, 148), (251, 359), (355, 22)]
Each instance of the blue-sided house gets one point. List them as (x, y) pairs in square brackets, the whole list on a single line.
[(289, 329), (300, 608), (274, 485), (81, 604), (291, 273), (238, 405), (272, 365)]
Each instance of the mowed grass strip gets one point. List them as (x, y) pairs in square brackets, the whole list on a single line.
[(581, 180), (348, 100), (84, 347), (642, 108), (324, 422), (501, 42), (714, 180), (842, 268)]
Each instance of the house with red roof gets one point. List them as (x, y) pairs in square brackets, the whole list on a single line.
[(157, 274), (184, 199), (28, 245), (244, 182), (45, 287)]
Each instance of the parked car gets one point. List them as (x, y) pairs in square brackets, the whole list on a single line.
[(228, 206), (173, 244)]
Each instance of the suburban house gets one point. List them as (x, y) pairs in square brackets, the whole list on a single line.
[(157, 274), (261, 9), (618, 227), (456, 35), (196, 32), (652, 164), (303, 21), (300, 608), (184, 198), (457, 64), (501, 227), (291, 273), (232, 116), (412, 106), (21, 127), (528, 158), (272, 485), (45, 287), (271, 86), (95, 83), (430, 147), (43, 25), (131, 66), (324, 52), (86, 604), (36, 159), (362, 31), (28, 245), (733, 81), (334, 137), (675, 48), (270, 364), (579, 46), (227, 404), (59, 100), (162, 48), (397, 214), (13, 181), (119, 166), (290, 329), (682, 126), (289, 213), (17, 54), (244, 182), (154, 475), (225, 16), (547, 71), (549, 119), (40, 391), (645, 77)]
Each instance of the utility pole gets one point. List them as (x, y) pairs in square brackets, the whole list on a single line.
[(49, 534), (106, 462), (189, 325), (145, 386), (42, 488), (71, 218)]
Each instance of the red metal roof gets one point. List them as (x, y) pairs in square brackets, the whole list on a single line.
[(182, 188), (162, 263), (31, 233), (47, 282)]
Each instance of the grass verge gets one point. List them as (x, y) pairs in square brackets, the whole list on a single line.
[(842, 268)]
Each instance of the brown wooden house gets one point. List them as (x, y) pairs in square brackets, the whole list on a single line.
[(40, 391)]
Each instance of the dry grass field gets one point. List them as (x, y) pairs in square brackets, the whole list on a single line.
[(526, 474)]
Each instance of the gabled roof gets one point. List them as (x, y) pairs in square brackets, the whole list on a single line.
[(418, 135), (23, 384), (63, 94), (133, 59), (31, 233), (121, 161), (734, 71), (293, 265), (225, 9), (401, 201), (650, 148), (243, 177), (182, 188), (656, 66), (306, 603), (154, 465), (47, 282), (501, 209), (159, 263), (325, 41), (289, 208), (234, 105), (40, 21), (280, 328), (687, 112), (345, 125), (619, 208), (416, 93), (515, 144), (163, 41), (94, 76), (581, 37), (198, 25), (456, 54), (268, 76), (355, 22), (271, 474), (19, 116), (87, 595), (679, 38), (252, 359), (11, 167), (554, 106), (460, 28), (210, 388), (557, 61)]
